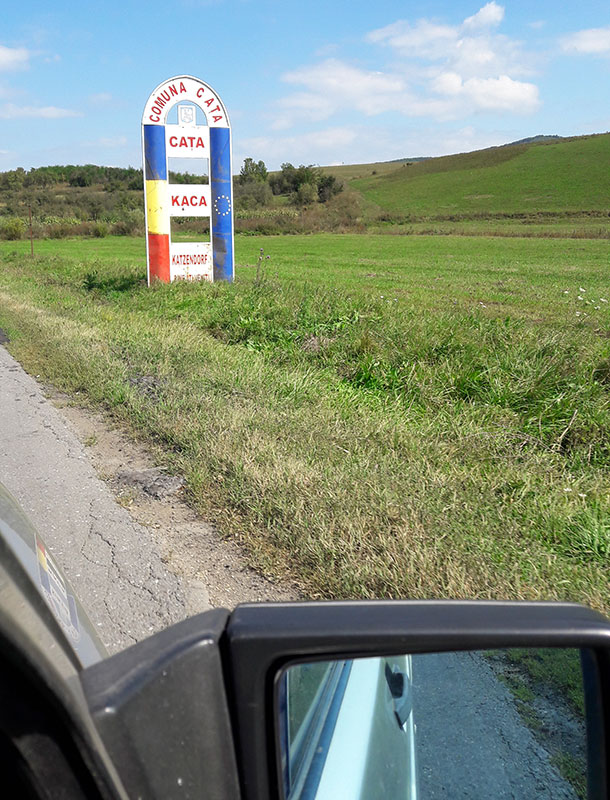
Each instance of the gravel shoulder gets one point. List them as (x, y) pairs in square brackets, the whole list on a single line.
[(138, 557)]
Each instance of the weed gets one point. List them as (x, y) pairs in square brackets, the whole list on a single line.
[(571, 770)]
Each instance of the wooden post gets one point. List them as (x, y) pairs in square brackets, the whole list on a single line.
[(31, 234)]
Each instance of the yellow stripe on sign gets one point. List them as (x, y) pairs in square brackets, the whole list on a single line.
[(157, 212)]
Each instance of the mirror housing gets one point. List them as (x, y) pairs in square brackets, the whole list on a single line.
[(193, 710), (264, 639), (161, 710)]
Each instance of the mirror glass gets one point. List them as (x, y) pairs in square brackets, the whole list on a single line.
[(492, 724)]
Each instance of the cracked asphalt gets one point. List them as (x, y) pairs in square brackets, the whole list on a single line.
[(111, 561)]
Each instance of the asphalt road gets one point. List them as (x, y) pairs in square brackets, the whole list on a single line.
[(471, 742), (111, 561)]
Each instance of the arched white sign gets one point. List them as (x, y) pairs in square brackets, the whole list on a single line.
[(187, 137)]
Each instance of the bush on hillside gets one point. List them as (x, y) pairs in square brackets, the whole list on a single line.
[(130, 224), (99, 229), (305, 195), (328, 186), (12, 228), (290, 178), (252, 194)]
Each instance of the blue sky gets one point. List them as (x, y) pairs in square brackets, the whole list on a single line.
[(316, 83)]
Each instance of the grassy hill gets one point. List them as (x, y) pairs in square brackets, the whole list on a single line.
[(565, 177), (350, 172)]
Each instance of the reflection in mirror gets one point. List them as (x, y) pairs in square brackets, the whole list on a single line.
[(493, 724)]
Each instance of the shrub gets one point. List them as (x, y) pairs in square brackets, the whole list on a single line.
[(251, 194), (328, 186), (291, 178), (62, 229), (130, 223), (100, 229), (305, 195), (125, 227), (12, 228)]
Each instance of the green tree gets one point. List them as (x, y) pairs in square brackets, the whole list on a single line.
[(80, 178), (290, 178), (253, 171), (328, 186), (305, 195)]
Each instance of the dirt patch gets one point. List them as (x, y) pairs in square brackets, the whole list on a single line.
[(154, 482), (216, 571), (313, 344)]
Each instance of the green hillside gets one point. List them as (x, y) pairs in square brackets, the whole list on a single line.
[(570, 176), (349, 172)]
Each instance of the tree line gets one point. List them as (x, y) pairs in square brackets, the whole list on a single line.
[(108, 178), (302, 185), (92, 200)]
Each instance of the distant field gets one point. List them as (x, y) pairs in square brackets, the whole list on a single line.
[(385, 416), (534, 226), (563, 177)]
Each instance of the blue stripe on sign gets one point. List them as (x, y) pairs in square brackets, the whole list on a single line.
[(155, 163), (222, 199)]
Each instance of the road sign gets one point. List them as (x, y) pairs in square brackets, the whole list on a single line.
[(185, 118)]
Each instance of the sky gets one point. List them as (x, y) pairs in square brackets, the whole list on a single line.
[(320, 82)]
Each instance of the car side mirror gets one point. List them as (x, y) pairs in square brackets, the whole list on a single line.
[(290, 701), (414, 699)]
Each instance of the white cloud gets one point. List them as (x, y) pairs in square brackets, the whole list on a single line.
[(441, 71), (498, 94), (11, 111), (473, 48), (332, 75), (595, 41), (13, 58), (502, 94), (489, 16), (334, 86), (422, 40)]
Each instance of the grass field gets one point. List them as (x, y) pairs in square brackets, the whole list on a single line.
[(561, 177), (572, 227), (384, 416)]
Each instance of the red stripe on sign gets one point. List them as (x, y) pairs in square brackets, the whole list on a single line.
[(158, 257)]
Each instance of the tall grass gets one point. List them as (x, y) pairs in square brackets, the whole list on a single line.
[(373, 419)]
